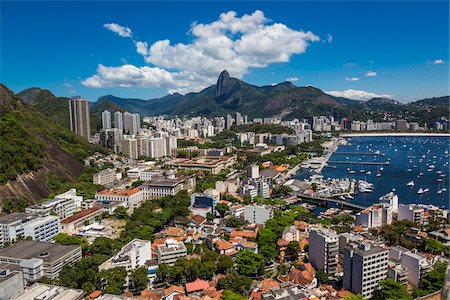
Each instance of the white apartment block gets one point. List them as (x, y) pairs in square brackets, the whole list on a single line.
[(411, 212), (257, 214), (42, 229), (22, 225), (168, 252), (364, 266), (375, 216), (391, 199), (64, 205), (323, 249), (105, 177), (133, 255), (416, 264)]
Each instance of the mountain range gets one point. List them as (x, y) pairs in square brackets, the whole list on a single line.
[(286, 100), (230, 95)]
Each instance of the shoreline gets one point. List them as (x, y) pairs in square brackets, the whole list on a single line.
[(396, 134)]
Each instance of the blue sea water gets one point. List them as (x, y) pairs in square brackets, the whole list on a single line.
[(402, 153)]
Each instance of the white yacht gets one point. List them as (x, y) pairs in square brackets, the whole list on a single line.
[(420, 191), (411, 183)]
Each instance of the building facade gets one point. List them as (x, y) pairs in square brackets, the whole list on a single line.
[(324, 249), (364, 266)]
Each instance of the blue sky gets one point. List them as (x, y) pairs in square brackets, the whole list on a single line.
[(334, 46)]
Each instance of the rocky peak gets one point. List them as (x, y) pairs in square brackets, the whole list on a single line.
[(222, 83)]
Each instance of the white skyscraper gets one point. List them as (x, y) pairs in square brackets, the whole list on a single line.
[(106, 119), (118, 121)]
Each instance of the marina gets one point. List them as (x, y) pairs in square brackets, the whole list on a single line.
[(414, 167)]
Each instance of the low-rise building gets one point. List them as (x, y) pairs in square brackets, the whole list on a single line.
[(168, 252), (168, 186), (39, 291), (257, 214), (47, 257), (11, 283), (64, 205), (416, 264), (129, 196), (105, 177), (211, 164), (397, 272), (133, 255), (71, 224)]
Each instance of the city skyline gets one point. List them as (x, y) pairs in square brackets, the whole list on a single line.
[(347, 55)]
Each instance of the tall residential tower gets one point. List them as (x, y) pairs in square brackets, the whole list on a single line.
[(79, 117)]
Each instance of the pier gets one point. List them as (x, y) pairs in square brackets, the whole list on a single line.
[(360, 153), (358, 162), (326, 201)]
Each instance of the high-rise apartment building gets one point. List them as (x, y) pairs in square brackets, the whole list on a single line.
[(111, 138), (239, 119), (79, 117), (228, 122), (364, 266), (324, 250), (130, 148), (131, 123), (118, 121), (106, 119)]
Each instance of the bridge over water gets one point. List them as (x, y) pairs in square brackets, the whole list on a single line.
[(327, 201)]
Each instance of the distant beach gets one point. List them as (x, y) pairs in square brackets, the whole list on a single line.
[(397, 134)]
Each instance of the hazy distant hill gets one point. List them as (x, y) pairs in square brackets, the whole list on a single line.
[(32, 145)]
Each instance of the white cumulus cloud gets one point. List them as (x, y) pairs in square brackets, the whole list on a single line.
[(120, 30), (371, 73), (292, 79), (351, 78), (438, 62), (230, 43), (357, 94)]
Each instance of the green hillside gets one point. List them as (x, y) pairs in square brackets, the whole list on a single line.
[(31, 142)]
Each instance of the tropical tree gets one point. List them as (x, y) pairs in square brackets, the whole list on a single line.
[(389, 289), (249, 263)]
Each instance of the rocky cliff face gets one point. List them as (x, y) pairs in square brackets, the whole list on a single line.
[(223, 84)]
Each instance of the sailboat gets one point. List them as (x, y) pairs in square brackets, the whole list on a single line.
[(411, 183), (362, 170), (378, 171)]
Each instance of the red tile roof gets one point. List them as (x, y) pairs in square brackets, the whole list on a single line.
[(81, 214), (246, 234), (173, 288), (197, 285), (223, 245)]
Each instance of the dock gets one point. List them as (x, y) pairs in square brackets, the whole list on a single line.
[(358, 162), (359, 153)]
